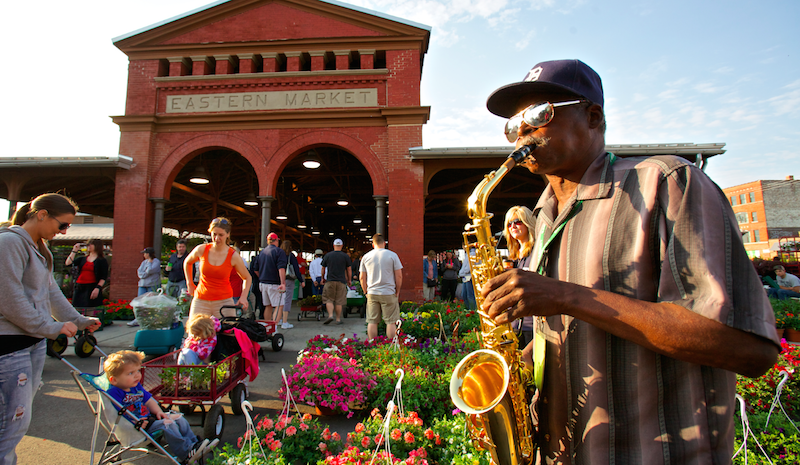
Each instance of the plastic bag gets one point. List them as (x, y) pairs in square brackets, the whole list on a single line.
[(154, 310)]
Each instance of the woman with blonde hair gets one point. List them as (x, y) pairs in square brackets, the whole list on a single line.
[(518, 232), (33, 309), (217, 259)]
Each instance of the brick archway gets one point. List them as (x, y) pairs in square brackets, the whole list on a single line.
[(363, 153), (177, 159)]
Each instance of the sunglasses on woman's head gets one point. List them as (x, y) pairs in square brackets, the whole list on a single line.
[(219, 221), (536, 115)]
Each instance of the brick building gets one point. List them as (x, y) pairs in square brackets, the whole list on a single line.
[(227, 104), (255, 87), (766, 211)]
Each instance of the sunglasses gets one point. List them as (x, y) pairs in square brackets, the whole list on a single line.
[(219, 221), (61, 226), (514, 222), (536, 115)]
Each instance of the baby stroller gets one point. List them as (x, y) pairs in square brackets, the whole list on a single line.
[(126, 441)]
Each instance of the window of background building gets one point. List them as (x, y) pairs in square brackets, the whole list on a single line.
[(752, 197), (733, 200), (756, 236), (754, 217), (741, 217), (742, 199), (746, 237)]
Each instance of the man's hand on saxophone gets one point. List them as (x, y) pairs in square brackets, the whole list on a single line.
[(517, 293)]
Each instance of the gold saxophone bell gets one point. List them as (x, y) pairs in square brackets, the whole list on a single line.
[(491, 384), (479, 382)]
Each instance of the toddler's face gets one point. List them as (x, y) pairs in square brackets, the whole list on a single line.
[(129, 377)]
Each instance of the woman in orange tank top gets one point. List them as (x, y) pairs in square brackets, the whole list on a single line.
[(216, 262)]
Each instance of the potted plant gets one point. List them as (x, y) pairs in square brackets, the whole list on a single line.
[(330, 383), (792, 331), (310, 303)]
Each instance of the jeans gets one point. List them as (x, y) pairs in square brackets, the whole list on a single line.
[(317, 287), (174, 288), (189, 357), (782, 294), (178, 434), (20, 377), (469, 295), (287, 303), (145, 290)]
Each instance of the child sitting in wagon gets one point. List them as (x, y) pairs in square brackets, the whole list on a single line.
[(201, 341)]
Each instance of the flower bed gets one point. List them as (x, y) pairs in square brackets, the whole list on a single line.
[(118, 310)]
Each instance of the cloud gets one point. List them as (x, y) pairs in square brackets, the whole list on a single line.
[(787, 103)]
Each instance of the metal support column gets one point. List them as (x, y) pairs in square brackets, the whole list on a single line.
[(266, 214), (380, 215), (158, 224)]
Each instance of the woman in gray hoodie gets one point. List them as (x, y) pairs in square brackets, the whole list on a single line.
[(33, 308)]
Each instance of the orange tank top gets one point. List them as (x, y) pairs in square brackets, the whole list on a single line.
[(215, 281)]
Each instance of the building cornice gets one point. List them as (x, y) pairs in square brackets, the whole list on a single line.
[(313, 75)]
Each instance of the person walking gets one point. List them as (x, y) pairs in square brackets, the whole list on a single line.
[(337, 272), (430, 276), (381, 277), (34, 308), (217, 260), (92, 274), (176, 279), (271, 272), (292, 275), (315, 271)]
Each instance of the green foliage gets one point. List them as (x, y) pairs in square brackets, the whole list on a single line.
[(427, 365), (422, 322), (787, 313), (780, 440), (195, 378), (291, 440), (310, 301), (759, 392)]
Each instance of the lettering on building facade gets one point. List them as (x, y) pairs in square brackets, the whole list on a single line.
[(282, 100)]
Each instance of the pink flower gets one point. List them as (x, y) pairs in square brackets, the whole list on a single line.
[(274, 445), (429, 435), (326, 434), (322, 447), (290, 431), (280, 425), (396, 434), (378, 439), (360, 428), (307, 416), (303, 426), (335, 436), (408, 437), (268, 424), (365, 442)]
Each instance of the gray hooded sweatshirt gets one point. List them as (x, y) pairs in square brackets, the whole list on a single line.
[(30, 296)]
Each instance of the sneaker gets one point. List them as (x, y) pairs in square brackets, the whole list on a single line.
[(328, 321), (287, 326), (197, 451), (133, 322), (340, 322)]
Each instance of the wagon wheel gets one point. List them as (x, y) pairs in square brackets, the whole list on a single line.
[(277, 342), (84, 345), (57, 346), (238, 395), (214, 423), (298, 315)]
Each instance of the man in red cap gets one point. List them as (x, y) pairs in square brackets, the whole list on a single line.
[(646, 302), (271, 272)]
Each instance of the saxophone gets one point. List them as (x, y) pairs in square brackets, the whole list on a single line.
[(492, 385)]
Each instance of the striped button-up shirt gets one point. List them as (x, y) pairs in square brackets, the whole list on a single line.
[(655, 229)]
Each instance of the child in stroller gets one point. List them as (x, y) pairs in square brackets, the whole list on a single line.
[(123, 370), (201, 341)]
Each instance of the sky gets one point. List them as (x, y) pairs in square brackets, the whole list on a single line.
[(697, 71)]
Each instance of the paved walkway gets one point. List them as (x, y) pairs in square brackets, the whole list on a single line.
[(61, 429)]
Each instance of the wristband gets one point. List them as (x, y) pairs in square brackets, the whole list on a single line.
[(99, 287)]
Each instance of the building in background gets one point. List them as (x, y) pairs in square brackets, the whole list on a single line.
[(766, 212)]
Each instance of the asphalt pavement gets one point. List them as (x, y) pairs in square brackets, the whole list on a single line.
[(61, 429)]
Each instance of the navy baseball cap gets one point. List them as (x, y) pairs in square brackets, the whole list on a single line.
[(570, 77)]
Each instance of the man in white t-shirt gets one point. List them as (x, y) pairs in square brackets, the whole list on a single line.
[(381, 276), (789, 284)]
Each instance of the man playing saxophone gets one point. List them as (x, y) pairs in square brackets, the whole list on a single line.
[(648, 302)]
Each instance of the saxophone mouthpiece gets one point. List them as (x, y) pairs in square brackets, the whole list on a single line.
[(522, 153)]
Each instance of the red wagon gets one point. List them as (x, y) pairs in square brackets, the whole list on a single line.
[(192, 386)]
